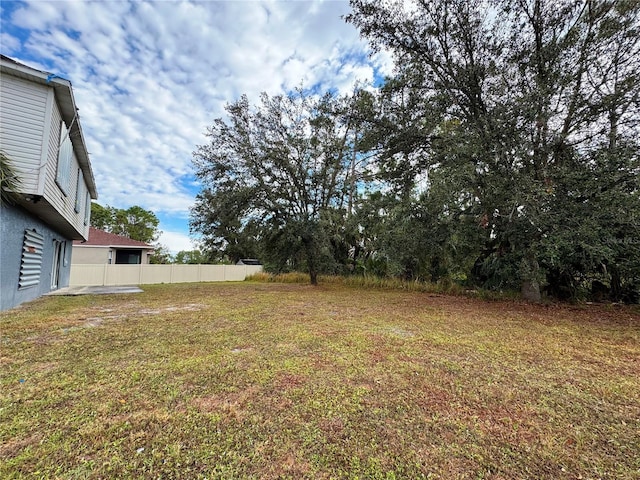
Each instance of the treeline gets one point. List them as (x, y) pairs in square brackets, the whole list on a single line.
[(142, 225), (503, 154)]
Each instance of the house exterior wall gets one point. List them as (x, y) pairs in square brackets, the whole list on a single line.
[(89, 255), (23, 132), (63, 198), (30, 125), (98, 255), (14, 221)]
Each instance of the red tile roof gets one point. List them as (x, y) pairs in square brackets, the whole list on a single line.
[(106, 239)]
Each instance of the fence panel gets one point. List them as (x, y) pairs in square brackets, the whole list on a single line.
[(97, 275), (214, 273), (87, 275), (123, 275), (185, 273)]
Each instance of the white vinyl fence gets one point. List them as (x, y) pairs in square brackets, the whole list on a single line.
[(91, 275)]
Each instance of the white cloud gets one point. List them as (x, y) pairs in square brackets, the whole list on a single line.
[(149, 77), (9, 42), (176, 242), (37, 15)]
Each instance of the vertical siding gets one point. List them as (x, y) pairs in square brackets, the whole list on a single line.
[(64, 204), (51, 190), (23, 109)]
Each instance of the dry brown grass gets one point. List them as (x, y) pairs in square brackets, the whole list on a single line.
[(258, 380)]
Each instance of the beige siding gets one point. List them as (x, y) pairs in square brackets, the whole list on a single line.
[(85, 254), (23, 108), (92, 275), (63, 203), (89, 255)]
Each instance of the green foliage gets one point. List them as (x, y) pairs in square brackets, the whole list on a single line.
[(192, 257), (519, 125), (161, 255), (101, 217), (278, 179), (9, 181), (134, 222), (367, 281), (503, 154)]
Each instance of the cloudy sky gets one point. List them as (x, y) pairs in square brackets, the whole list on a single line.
[(149, 77)]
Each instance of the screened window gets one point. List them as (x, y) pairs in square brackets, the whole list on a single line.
[(87, 208), (65, 155), (132, 257), (79, 191), (31, 264)]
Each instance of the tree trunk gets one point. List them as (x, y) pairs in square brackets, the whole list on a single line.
[(352, 179), (312, 264), (530, 291), (613, 127), (313, 275), (616, 284), (530, 286)]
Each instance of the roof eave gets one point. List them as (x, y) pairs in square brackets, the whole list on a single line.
[(141, 247), (64, 94)]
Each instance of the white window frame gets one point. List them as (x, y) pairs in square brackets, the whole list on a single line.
[(79, 191), (87, 208), (65, 155)]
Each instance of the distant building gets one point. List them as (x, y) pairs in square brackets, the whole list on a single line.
[(103, 247), (248, 261), (41, 136)]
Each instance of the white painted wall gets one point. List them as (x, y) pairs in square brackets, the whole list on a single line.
[(23, 113), (29, 135), (63, 201)]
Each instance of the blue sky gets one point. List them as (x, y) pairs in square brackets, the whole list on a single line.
[(149, 77)]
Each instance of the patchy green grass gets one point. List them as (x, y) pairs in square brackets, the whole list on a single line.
[(268, 380)]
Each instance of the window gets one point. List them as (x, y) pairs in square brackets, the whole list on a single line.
[(65, 155), (31, 264), (79, 191), (87, 208), (132, 257)]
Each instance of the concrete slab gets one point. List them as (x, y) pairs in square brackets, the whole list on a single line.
[(96, 290)]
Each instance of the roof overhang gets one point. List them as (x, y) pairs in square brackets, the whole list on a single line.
[(115, 247), (68, 109)]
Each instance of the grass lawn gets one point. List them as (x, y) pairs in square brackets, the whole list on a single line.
[(266, 380)]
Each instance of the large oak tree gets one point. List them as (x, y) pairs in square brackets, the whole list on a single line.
[(523, 116), (277, 180)]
